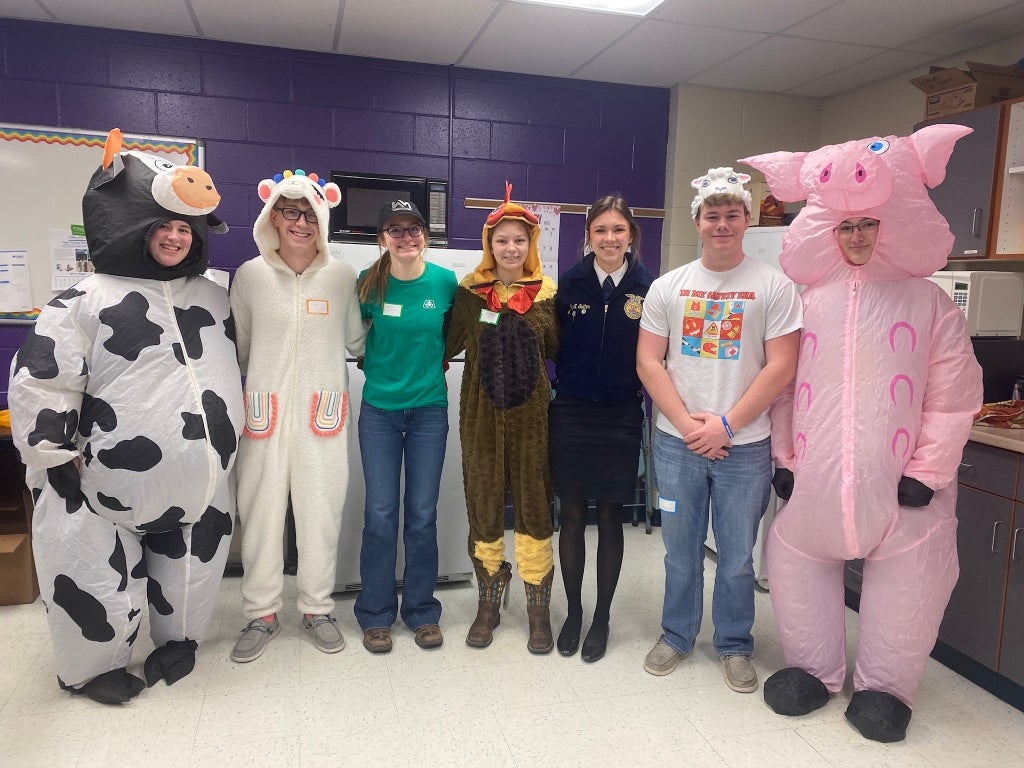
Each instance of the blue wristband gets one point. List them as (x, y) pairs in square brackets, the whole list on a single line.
[(728, 429)]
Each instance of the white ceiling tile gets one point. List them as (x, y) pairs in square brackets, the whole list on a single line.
[(538, 40), (780, 63), (23, 9), (170, 17), (437, 32), (308, 26), (663, 53), (881, 67), (974, 33), (741, 14), (890, 24)]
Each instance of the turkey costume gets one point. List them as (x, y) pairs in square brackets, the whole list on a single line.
[(126, 408), (873, 429), (507, 331)]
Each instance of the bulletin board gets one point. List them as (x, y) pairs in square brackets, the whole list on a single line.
[(44, 173)]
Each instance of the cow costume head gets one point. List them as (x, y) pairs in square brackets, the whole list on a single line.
[(876, 178), (130, 195)]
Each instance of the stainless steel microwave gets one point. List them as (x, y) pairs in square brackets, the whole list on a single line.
[(993, 302), (354, 220)]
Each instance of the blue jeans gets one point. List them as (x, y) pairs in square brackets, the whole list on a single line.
[(420, 435), (737, 488)]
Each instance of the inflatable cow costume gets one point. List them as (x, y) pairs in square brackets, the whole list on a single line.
[(126, 408), (882, 404)]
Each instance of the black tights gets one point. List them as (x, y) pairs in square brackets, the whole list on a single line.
[(572, 554)]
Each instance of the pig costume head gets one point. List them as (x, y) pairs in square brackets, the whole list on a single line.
[(876, 178)]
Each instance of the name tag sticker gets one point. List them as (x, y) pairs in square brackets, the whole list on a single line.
[(667, 505), (392, 310), (487, 316), (318, 307)]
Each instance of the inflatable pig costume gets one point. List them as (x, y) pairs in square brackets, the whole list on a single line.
[(872, 429)]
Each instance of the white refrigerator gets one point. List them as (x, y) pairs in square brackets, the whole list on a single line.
[(452, 522), (763, 244)]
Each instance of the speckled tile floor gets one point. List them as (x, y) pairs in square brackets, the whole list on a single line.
[(459, 706)]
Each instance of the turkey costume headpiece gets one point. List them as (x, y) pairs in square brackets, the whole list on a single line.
[(130, 195)]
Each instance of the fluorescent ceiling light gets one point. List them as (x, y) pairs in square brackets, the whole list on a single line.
[(627, 7)]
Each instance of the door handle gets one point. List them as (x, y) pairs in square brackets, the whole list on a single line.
[(976, 222), (1016, 537), (995, 536)]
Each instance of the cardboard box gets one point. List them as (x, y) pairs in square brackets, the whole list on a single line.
[(17, 570), (949, 91)]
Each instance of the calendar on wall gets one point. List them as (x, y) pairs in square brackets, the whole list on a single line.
[(549, 215)]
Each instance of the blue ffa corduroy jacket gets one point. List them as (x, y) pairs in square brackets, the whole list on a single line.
[(597, 358)]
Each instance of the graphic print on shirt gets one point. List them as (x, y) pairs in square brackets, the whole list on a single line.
[(712, 324)]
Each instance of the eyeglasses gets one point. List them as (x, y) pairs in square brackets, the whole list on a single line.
[(293, 214), (866, 227), (396, 232)]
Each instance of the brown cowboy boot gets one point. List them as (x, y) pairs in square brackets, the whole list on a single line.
[(538, 601), (481, 631)]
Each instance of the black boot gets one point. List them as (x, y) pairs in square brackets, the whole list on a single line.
[(878, 716), (113, 687), (792, 691)]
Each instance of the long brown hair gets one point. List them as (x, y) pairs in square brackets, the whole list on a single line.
[(374, 283), (614, 202)]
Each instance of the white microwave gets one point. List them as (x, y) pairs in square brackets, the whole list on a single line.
[(993, 302)]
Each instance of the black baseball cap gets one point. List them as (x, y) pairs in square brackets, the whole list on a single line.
[(398, 208)]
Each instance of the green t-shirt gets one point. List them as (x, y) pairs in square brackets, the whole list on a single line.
[(405, 345)]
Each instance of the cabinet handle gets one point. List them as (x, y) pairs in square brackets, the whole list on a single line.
[(1016, 537), (976, 222), (995, 536)]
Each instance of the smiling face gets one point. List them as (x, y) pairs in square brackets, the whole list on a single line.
[(857, 238), (510, 245), (405, 247), (170, 243), (609, 237), (295, 236), (721, 229)]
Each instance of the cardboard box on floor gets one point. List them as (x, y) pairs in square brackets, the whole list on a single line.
[(949, 91), (17, 568)]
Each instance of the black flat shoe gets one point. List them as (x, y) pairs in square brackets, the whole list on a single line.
[(595, 643), (569, 637)]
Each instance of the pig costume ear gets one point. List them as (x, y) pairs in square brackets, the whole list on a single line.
[(782, 172), (934, 145)]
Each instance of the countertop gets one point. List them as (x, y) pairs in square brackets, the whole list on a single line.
[(1010, 439)]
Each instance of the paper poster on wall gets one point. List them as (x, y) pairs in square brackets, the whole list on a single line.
[(549, 216), (69, 254), (15, 285)]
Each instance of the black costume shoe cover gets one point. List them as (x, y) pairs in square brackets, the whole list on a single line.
[(113, 687), (878, 716), (171, 661), (792, 691)]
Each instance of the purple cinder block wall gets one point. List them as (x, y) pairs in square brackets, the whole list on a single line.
[(261, 110)]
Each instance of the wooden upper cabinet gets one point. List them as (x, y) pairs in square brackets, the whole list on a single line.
[(1008, 211)]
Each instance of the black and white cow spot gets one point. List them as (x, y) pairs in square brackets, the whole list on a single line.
[(139, 571), (191, 322), (119, 562), (139, 454), (229, 329), (82, 608), (87, 454), (208, 532), (164, 535), (157, 601), (57, 427), (111, 502), (193, 428), (134, 635), (222, 432), (61, 299), (36, 355), (131, 330), (96, 411)]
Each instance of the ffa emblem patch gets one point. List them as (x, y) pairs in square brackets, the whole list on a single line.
[(634, 306)]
